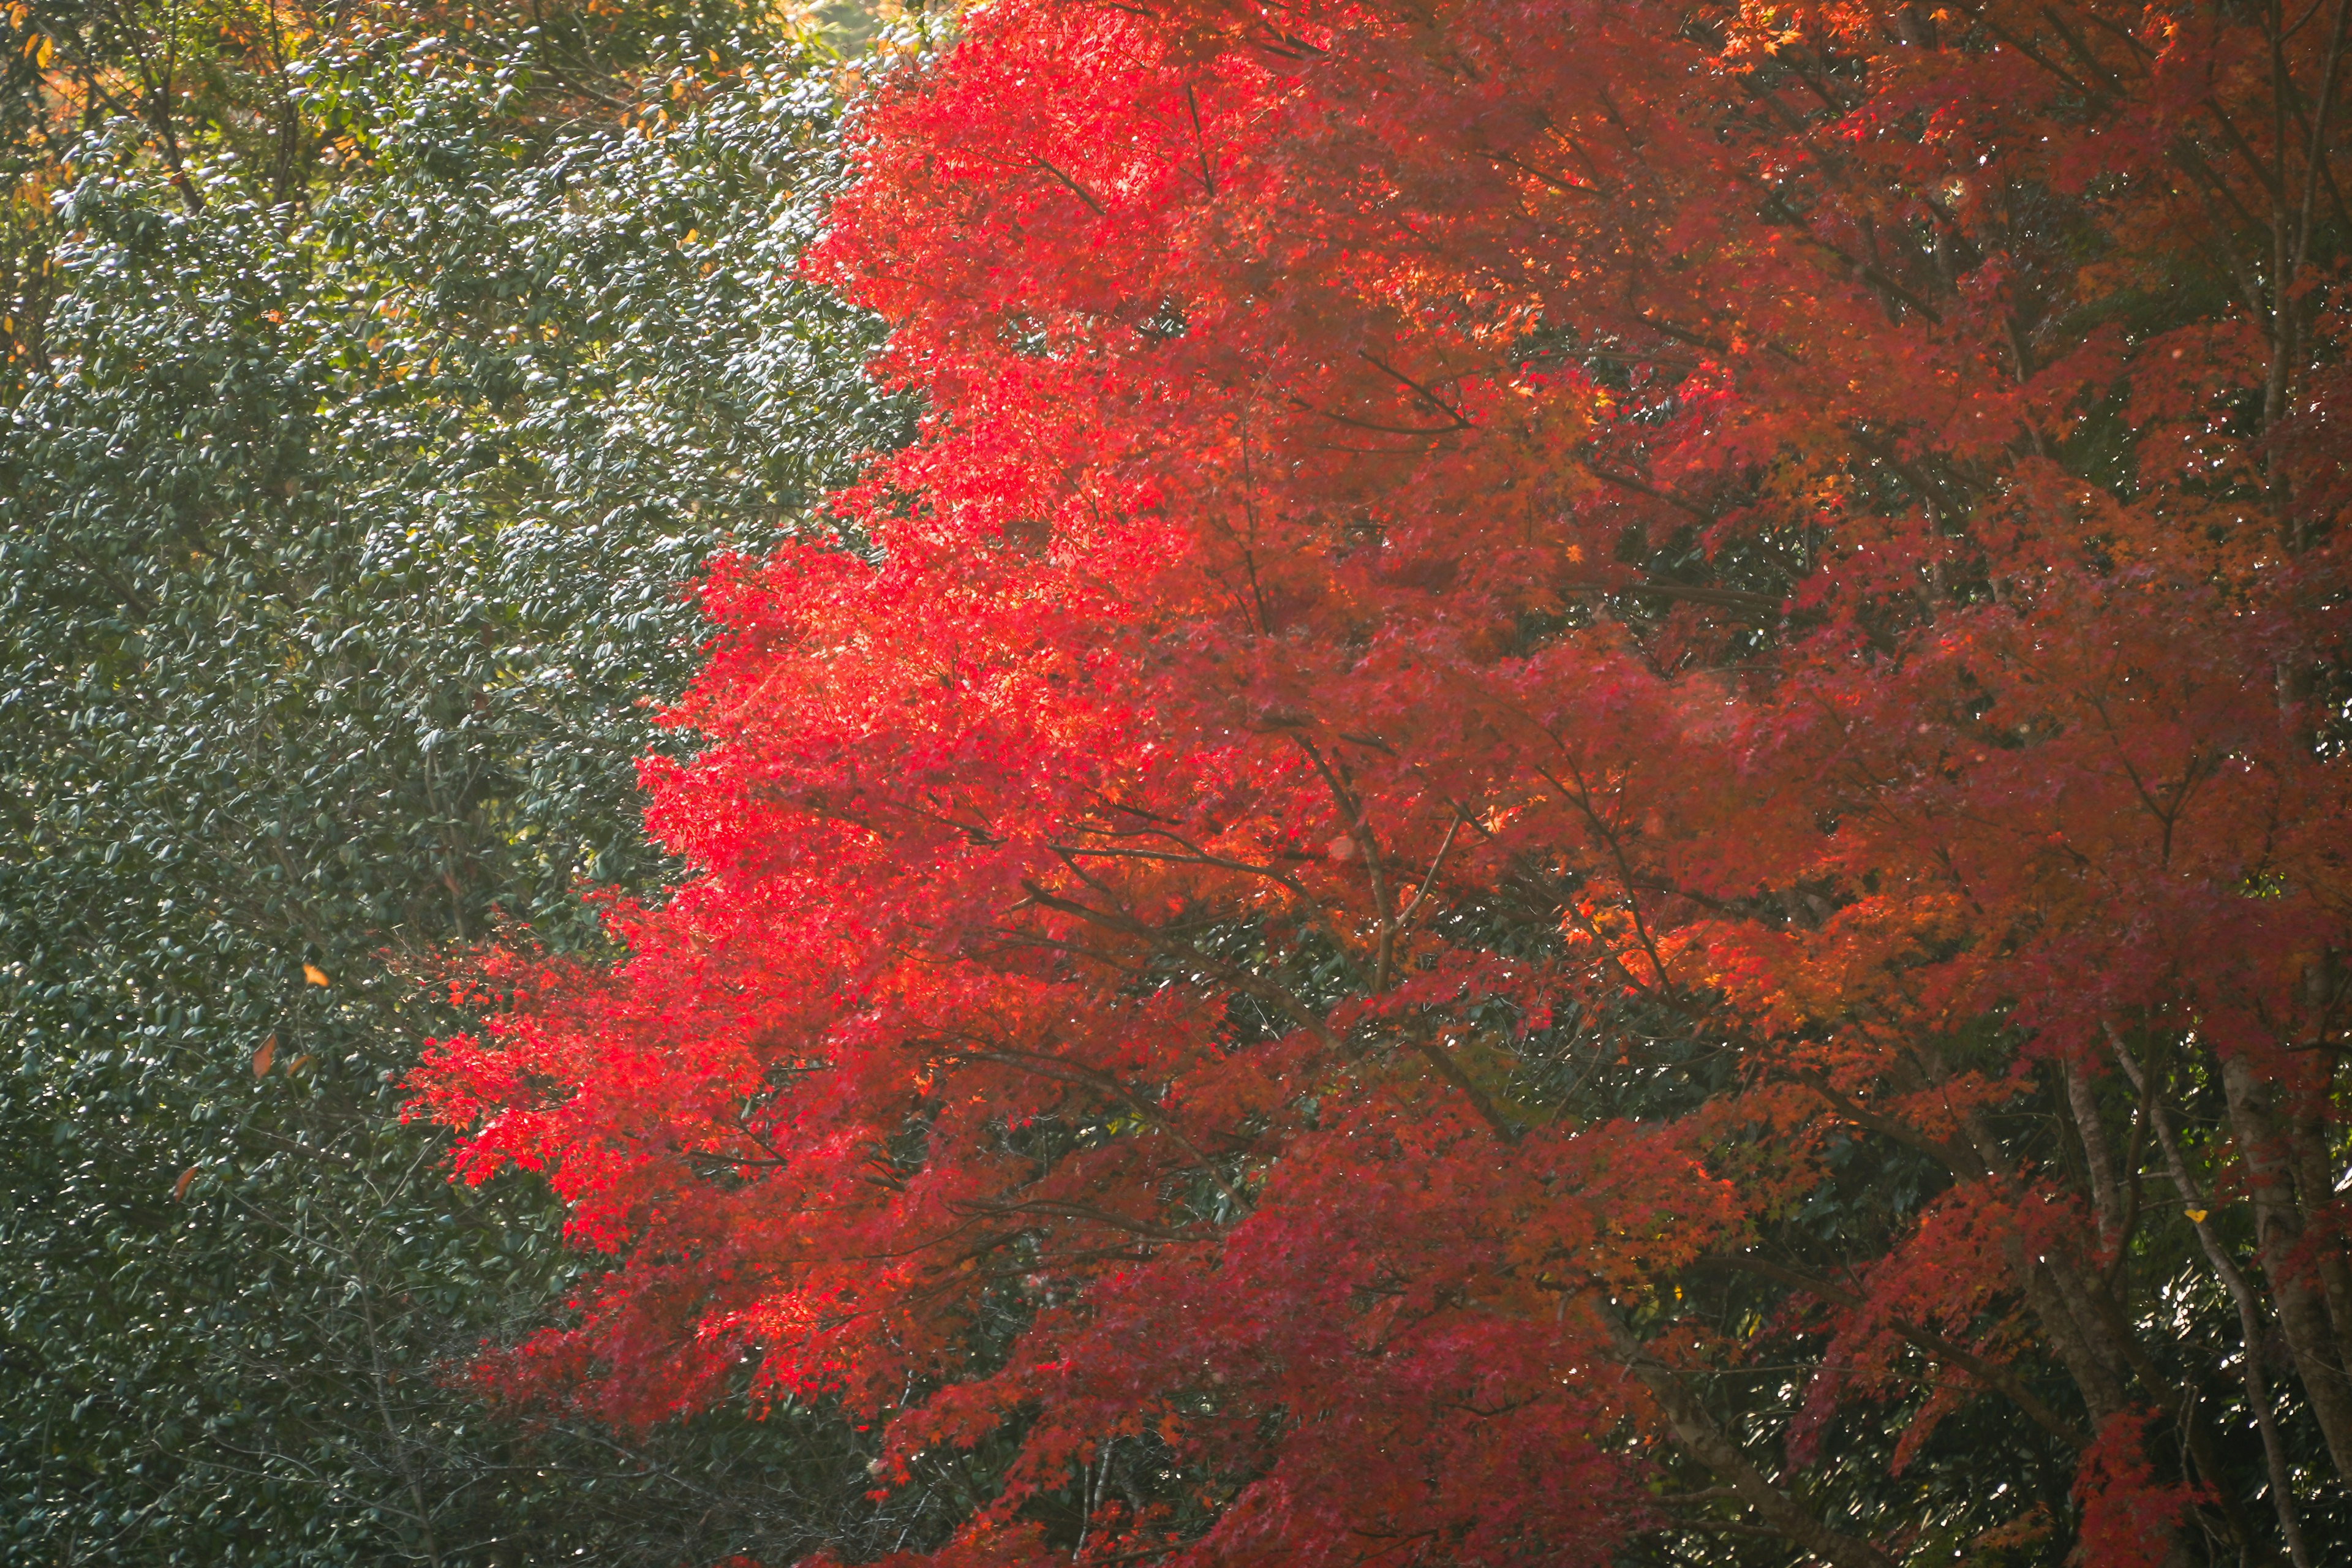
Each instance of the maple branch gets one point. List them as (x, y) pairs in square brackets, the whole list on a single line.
[(2146, 55), (2251, 1330), (1097, 883), (1014, 936), (1537, 875), (1936, 488), (1241, 980), (1925, 1340), (1949, 1154), (1562, 186), (1982, 15), (1597, 180), (1060, 1208), (1076, 189), (2188, 157), (1288, 45), (1353, 423), (1808, 68), (1728, 1526), (1131, 809), (1708, 1443), (1359, 829), (2134, 1159), (1079, 851), (2245, 149), (2083, 51), (1682, 335), (1696, 594), (1504, 1130), (1580, 797), (1639, 487), (2167, 814), (1869, 272), (2316, 159), (1200, 142), (1424, 393), (1067, 1071), (1439, 860), (2106, 1198), (1141, 1554), (2086, 1330)]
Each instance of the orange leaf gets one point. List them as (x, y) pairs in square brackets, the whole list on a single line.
[(180, 1187), (264, 1056), (314, 974)]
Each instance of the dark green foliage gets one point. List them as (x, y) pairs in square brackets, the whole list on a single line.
[(338, 548)]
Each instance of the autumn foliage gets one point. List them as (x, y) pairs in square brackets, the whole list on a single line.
[(1569, 703)]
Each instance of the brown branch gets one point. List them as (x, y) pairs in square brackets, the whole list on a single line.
[(1505, 1129), (1420, 391), (1708, 1443), (1057, 1208), (1076, 189), (1643, 488), (1922, 1339), (1696, 594), (1200, 142)]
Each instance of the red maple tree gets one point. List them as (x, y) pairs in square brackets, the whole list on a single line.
[(1593, 773)]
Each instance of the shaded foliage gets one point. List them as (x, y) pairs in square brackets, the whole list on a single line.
[(339, 540)]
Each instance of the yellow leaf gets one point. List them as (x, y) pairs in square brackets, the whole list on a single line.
[(297, 1064), (2197, 1216), (180, 1187), (264, 1056), (314, 974)]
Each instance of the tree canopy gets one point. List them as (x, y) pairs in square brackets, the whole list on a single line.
[(1584, 802)]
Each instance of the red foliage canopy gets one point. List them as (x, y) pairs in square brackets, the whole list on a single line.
[(1569, 702)]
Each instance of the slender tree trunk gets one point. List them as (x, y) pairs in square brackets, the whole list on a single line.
[(2295, 1280)]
